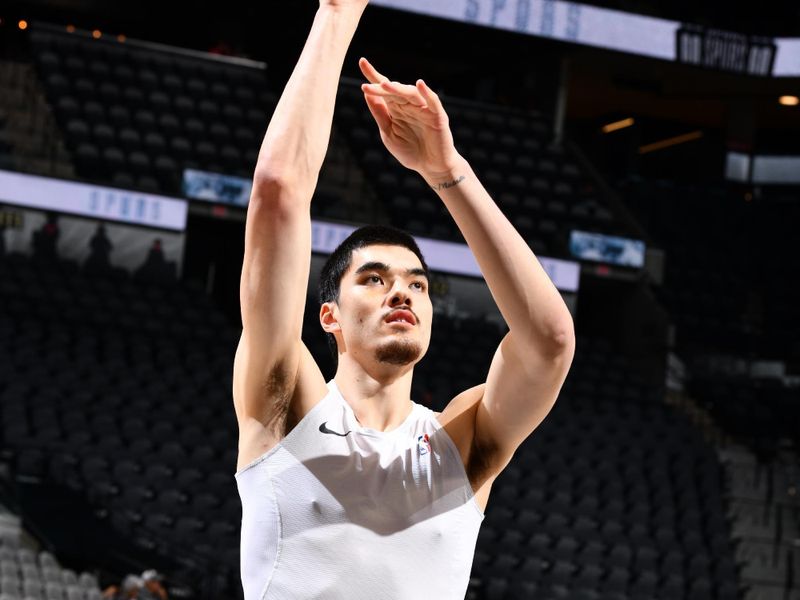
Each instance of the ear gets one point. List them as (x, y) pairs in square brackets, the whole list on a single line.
[(327, 317)]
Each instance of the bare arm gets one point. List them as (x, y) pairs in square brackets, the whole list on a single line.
[(531, 305), (531, 364), (533, 359), (298, 134), (277, 253)]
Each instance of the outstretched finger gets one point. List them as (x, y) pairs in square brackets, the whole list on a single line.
[(370, 72), (434, 103)]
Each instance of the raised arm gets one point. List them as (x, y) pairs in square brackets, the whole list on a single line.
[(533, 359), (297, 137), (277, 252)]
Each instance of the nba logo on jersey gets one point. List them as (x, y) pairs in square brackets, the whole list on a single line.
[(424, 444)]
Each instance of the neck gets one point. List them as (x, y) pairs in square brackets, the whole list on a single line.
[(380, 396)]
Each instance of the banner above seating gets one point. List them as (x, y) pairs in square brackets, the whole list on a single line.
[(95, 201), (623, 32), (446, 257), (762, 169)]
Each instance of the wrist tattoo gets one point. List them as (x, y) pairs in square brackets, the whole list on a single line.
[(447, 184)]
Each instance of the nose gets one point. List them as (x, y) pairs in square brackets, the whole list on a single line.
[(400, 296)]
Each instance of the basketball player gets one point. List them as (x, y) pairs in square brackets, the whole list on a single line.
[(350, 489)]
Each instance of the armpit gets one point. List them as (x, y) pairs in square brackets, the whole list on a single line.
[(278, 391), (481, 464)]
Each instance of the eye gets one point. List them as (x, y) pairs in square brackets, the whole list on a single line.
[(420, 284), (371, 277)]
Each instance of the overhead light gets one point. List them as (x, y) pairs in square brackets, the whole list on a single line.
[(617, 125), (23, 24), (121, 37), (678, 139), (96, 34), (789, 100), (70, 28)]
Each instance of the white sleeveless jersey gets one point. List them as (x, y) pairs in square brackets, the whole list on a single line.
[(339, 511)]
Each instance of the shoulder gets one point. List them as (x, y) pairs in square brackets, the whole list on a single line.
[(465, 403)]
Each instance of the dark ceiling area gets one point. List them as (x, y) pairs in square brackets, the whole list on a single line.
[(605, 82)]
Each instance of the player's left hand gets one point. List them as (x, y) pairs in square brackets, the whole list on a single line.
[(413, 124)]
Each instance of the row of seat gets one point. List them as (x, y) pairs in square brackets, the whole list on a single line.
[(79, 53), (139, 122), (26, 574), (137, 117)]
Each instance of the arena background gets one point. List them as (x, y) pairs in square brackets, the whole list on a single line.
[(654, 174)]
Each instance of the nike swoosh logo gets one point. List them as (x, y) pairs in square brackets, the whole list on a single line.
[(324, 429)]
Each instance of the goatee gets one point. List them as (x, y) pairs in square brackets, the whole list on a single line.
[(398, 352)]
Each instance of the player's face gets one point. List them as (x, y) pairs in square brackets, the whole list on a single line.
[(380, 281)]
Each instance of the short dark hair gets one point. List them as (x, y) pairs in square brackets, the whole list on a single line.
[(339, 261)]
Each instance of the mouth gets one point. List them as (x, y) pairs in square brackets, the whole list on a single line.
[(404, 317), (401, 323)]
